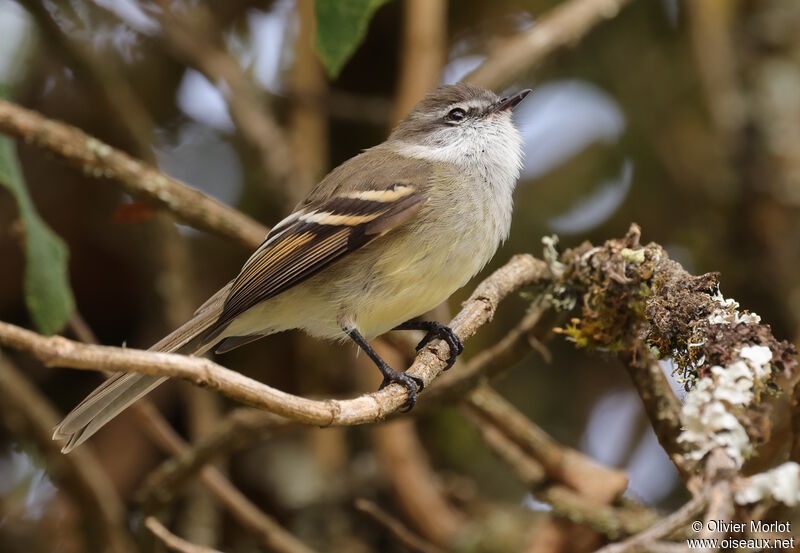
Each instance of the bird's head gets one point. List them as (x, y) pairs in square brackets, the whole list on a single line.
[(462, 124)]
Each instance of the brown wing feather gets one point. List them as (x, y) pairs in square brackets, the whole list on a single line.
[(312, 239)]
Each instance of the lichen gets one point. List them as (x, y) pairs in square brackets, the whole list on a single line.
[(781, 483), (709, 411), (629, 294)]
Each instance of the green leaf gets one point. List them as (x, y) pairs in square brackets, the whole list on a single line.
[(47, 291), (341, 26)]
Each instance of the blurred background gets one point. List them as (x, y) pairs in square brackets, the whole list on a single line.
[(682, 116)]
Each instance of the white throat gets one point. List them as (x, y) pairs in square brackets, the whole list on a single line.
[(490, 150)]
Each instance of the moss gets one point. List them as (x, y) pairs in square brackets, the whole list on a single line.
[(629, 293)]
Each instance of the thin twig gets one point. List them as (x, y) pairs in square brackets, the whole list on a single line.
[(612, 521), (660, 402), (528, 470), (609, 520), (273, 535), (187, 37), (563, 464), (235, 432), (399, 530), (563, 26), (520, 271), (663, 528), (172, 541), (72, 146), (405, 464), (494, 360), (28, 413)]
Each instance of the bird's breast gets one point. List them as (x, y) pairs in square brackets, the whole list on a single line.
[(418, 267)]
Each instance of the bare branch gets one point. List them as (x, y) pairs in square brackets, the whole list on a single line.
[(236, 431), (660, 402), (273, 535), (612, 521), (494, 360), (172, 541), (190, 42), (638, 543), (403, 534), (563, 464), (609, 520), (406, 466), (72, 146), (563, 26), (528, 470)]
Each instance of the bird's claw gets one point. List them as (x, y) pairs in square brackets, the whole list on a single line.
[(445, 333), (411, 383)]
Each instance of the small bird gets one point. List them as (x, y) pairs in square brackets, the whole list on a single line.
[(382, 239)]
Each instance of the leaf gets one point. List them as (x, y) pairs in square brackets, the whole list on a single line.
[(46, 281), (341, 27)]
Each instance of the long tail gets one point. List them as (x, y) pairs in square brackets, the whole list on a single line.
[(122, 389)]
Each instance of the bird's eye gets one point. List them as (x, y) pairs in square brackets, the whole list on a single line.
[(456, 115)]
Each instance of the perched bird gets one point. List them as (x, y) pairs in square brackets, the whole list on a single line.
[(384, 238)]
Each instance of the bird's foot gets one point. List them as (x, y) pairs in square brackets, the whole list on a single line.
[(443, 332), (411, 383)]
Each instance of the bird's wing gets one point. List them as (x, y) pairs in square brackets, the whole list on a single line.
[(315, 236)]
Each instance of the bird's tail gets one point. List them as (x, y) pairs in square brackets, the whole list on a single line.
[(122, 389)]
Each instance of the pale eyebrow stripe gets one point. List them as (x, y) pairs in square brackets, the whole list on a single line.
[(380, 195), (327, 218)]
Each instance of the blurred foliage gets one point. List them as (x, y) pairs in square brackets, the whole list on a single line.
[(341, 27), (47, 290)]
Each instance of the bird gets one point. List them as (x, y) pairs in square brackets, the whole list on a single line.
[(384, 238)]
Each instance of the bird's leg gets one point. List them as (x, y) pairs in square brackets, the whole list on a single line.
[(436, 330), (389, 374)]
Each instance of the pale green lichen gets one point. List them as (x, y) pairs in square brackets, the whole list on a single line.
[(633, 256)]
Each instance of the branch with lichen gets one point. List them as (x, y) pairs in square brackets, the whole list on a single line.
[(633, 295), (635, 301)]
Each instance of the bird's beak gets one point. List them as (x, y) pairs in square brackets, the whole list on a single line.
[(510, 102)]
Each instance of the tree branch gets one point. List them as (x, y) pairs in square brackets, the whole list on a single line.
[(190, 43), (663, 528), (660, 402), (494, 360), (521, 270), (563, 26), (172, 541), (396, 528), (563, 464), (234, 432), (244, 511), (74, 147)]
